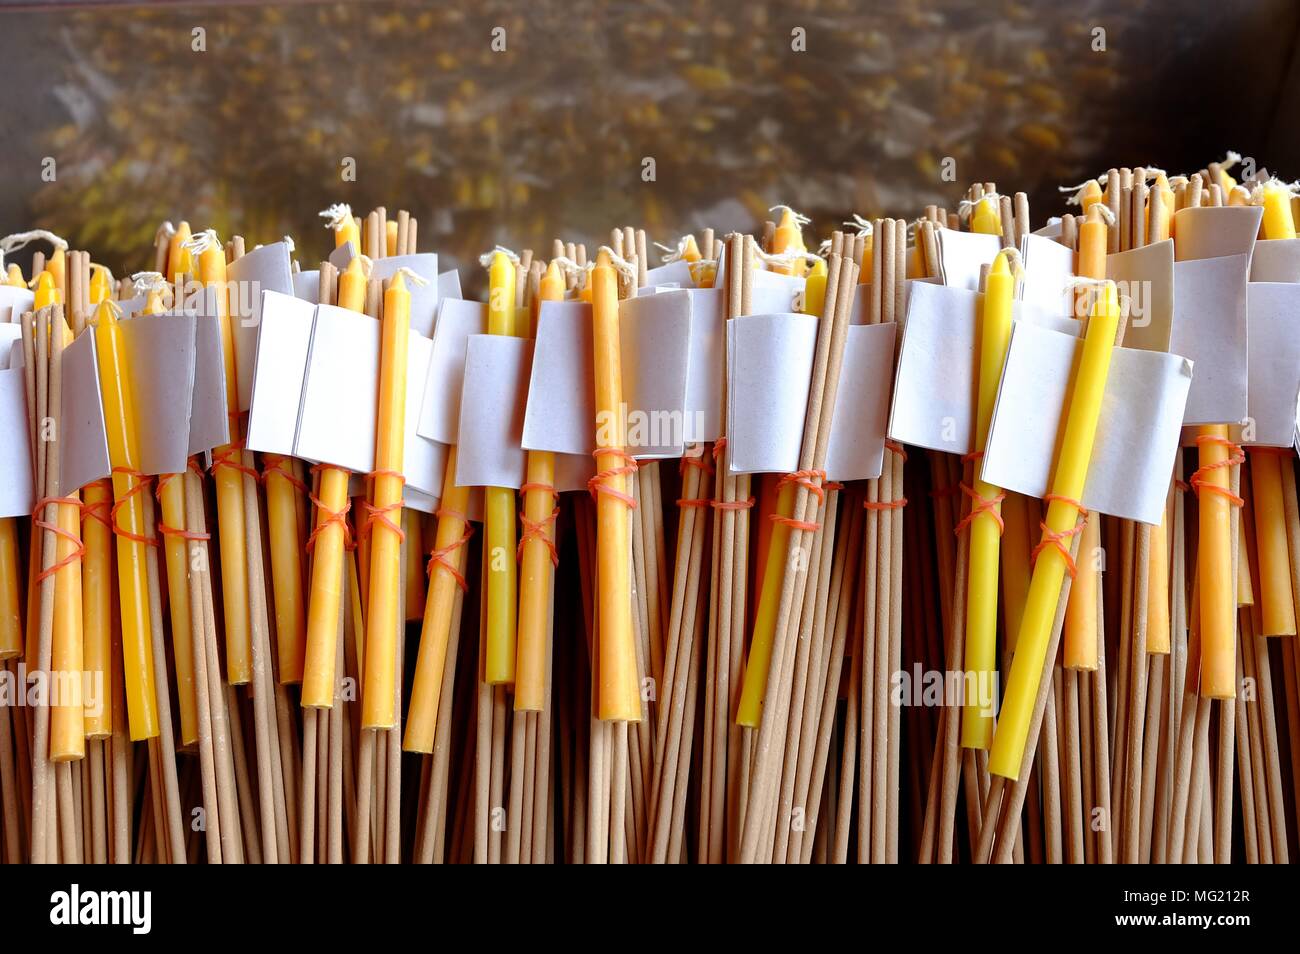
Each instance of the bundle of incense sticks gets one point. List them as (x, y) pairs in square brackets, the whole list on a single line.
[(474, 644)]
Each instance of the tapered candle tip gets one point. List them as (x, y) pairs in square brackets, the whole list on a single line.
[(1000, 265)]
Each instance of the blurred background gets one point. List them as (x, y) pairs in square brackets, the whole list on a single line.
[(551, 136)]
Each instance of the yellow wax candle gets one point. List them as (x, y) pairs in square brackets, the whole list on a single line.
[(499, 509), (327, 542), (128, 486), (986, 521), (814, 292), (1277, 617), (390, 237), (383, 614), (1089, 195), (57, 266), (226, 462), (97, 602), (446, 573), (788, 237), (1218, 608), (984, 217), (537, 557), (1079, 638), (100, 285), (1062, 512), (14, 276), (67, 716), (46, 292), (758, 663), (11, 620), (618, 696), (180, 261), (1158, 591), (286, 567), (340, 220)]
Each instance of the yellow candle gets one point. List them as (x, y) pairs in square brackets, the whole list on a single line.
[(383, 615), (14, 276), (286, 567), (986, 522), (226, 462), (390, 237), (1218, 609), (1089, 195), (499, 509), (45, 292), (537, 556), (97, 601), (340, 220), (1079, 638), (128, 485), (758, 664), (1062, 512), (57, 266), (984, 217), (67, 716), (446, 573), (179, 259), (1157, 591), (618, 696), (1277, 615), (100, 284), (327, 543)]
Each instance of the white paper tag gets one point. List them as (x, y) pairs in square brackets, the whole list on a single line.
[(283, 342), (705, 387), (449, 285), (963, 254), (17, 497), (1276, 260), (1274, 310), (935, 386), (492, 412), (1216, 231), (423, 461), (340, 395), (857, 441), (1210, 329), (14, 301), (342, 255), (769, 359), (1146, 276), (440, 402), (1048, 266), (267, 268), (306, 285), (654, 345), (83, 451), (561, 408), (159, 353), (674, 273), (1137, 434), (209, 420)]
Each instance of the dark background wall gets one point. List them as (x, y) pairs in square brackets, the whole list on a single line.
[(550, 136)]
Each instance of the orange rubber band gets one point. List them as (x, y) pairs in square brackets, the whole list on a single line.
[(809, 480), (229, 456), (1060, 540), (886, 505), (140, 485), (732, 504), (279, 464), (597, 484), (793, 524), (58, 531), (896, 448), (440, 556), (538, 529), (339, 517), (380, 514), (1235, 456), (695, 457), (100, 510), (164, 529)]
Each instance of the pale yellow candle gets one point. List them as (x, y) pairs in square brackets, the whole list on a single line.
[(446, 573), (128, 520), (97, 602), (226, 473), (383, 616), (327, 543), (499, 511), (537, 556), (617, 694), (1053, 559)]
